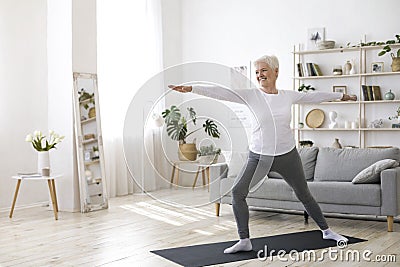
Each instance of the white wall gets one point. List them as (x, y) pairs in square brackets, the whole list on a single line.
[(23, 94), (232, 32), (60, 111), (172, 32), (84, 34)]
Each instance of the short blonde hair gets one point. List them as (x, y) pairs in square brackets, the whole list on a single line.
[(272, 61)]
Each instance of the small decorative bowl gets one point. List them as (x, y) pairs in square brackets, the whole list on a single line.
[(325, 44)]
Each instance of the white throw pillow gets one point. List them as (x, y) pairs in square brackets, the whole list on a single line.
[(372, 173)]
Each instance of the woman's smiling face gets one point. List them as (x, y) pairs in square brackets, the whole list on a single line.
[(266, 77)]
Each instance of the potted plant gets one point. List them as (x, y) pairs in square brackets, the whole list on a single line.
[(85, 98), (208, 154), (43, 145), (305, 88), (177, 129), (396, 116), (395, 56)]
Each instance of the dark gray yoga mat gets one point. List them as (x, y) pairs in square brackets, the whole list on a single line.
[(210, 254)]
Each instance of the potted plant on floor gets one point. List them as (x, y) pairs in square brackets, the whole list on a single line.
[(177, 129), (208, 154)]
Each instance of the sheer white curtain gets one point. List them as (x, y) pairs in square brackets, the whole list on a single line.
[(129, 52)]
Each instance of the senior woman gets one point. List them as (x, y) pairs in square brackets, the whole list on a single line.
[(272, 146)]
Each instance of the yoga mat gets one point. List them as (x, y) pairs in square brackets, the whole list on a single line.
[(210, 254)]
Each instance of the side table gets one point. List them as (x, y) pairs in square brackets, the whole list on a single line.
[(52, 188), (203, 168)]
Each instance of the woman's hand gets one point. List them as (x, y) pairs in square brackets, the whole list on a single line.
[(349, 97), (181, 88)]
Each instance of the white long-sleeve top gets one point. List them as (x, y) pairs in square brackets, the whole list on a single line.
[(271, 133)]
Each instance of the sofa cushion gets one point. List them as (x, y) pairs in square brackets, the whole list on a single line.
[(344, 164), (346, 193), (308, 156), (372, 173)]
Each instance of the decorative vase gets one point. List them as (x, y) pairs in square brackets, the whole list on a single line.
[(337, 70), (187, 152), (346, 68), (396, 64), (43, 160), (389, 95), (336, 144), (353, 67)]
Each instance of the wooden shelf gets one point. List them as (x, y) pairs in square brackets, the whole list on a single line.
[(349, 76), (347, 129), (324, 51), (87, 101), (85, 142), (87, 163), (355, 102), (344, 49), (88, 120)]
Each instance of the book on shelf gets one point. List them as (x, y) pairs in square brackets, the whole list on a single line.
[(308, 69), (300, 69), (317, 69), (370, 93), (376, 92), (365, 92)]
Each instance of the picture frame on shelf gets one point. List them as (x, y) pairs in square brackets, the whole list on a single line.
[(377, 67), (315, 35), (340, 89)]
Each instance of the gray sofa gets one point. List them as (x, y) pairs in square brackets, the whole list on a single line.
[(329, 174)]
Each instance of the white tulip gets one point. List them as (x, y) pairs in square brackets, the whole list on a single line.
[(51, 132), (37, 133), (57, 140), (29, 138)]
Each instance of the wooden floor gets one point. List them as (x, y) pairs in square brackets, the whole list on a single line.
[(124, 234)]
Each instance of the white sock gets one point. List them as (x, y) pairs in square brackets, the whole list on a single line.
[(329, 234), (243, 245)]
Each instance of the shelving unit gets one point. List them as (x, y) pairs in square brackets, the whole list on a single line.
[(90, 161), (361, 136)]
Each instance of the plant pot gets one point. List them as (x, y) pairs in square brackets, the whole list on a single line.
[(187, 152), (209, 159), (396, 64)]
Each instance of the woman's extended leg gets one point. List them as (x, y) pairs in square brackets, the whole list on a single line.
[(290, 167), (256, 169)]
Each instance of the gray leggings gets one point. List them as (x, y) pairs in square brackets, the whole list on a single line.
[(258, 166)]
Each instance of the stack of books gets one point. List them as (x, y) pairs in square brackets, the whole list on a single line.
[(308, 70), (371, 92)]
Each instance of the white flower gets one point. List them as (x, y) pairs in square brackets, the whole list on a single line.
[(37, 133), (41, 143), (29, 138)]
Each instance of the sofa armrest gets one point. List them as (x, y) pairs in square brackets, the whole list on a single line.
[(218, 171), (390, 186)]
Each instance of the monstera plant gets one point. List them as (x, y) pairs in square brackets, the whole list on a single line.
[(177, 129)]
